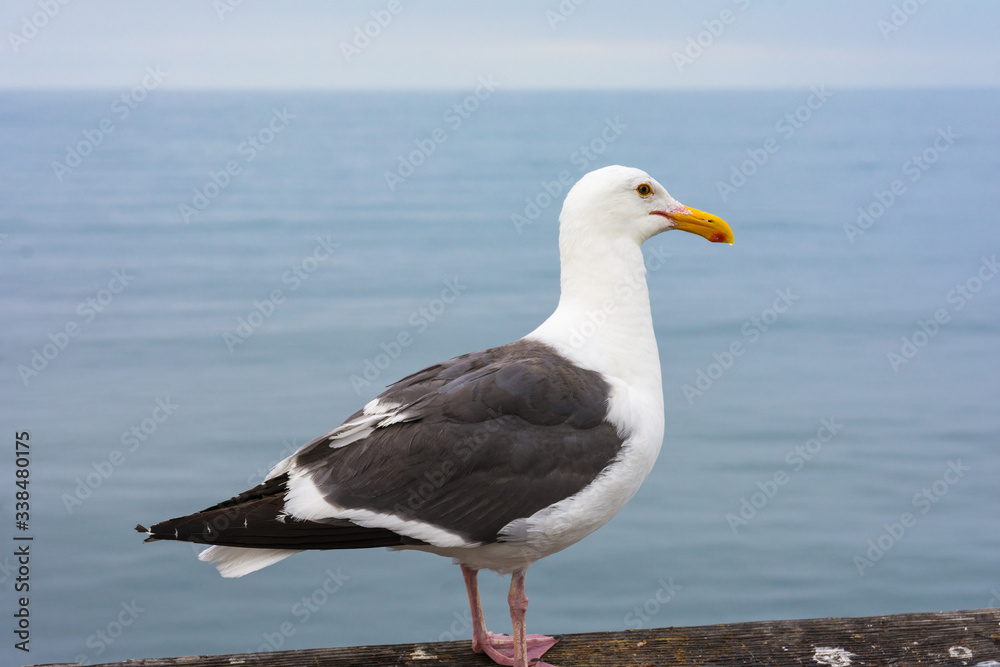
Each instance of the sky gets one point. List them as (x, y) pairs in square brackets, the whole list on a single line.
[(547, 44)]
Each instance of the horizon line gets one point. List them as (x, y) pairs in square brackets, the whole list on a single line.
[(529, 88)]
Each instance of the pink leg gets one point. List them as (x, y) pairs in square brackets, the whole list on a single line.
[(514, 651), (480, 636)]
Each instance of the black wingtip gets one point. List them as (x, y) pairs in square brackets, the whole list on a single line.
[(139, 528)]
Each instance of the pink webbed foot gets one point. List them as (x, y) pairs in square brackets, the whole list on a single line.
[(506, 649), (500, 648)]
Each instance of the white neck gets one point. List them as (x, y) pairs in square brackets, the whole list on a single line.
[(603, 321)]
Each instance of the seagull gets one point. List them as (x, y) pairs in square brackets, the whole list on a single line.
[(496, 458)]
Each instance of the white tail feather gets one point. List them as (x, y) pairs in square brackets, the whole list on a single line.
[(237, 561)]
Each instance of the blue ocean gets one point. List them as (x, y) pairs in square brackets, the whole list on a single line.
[(196, 283)]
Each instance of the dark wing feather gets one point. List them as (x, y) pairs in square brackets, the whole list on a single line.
[(255, 519), (489, 437)]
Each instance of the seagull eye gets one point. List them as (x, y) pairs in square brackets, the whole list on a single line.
[(644, 189)]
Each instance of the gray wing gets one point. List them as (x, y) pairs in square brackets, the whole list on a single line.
[(473, 443)]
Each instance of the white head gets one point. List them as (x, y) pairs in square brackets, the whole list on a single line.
[(616, 203), (603, 320)]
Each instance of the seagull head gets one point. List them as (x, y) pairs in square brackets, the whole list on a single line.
[(616, 201)]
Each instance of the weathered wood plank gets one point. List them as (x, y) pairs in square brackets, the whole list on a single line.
[(954, 638)]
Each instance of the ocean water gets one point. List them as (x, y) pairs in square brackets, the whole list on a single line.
[(194, 284)]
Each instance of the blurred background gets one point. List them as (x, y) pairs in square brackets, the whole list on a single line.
[(217, 219)]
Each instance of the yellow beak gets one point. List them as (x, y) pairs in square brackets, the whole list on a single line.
[(711, 227)]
